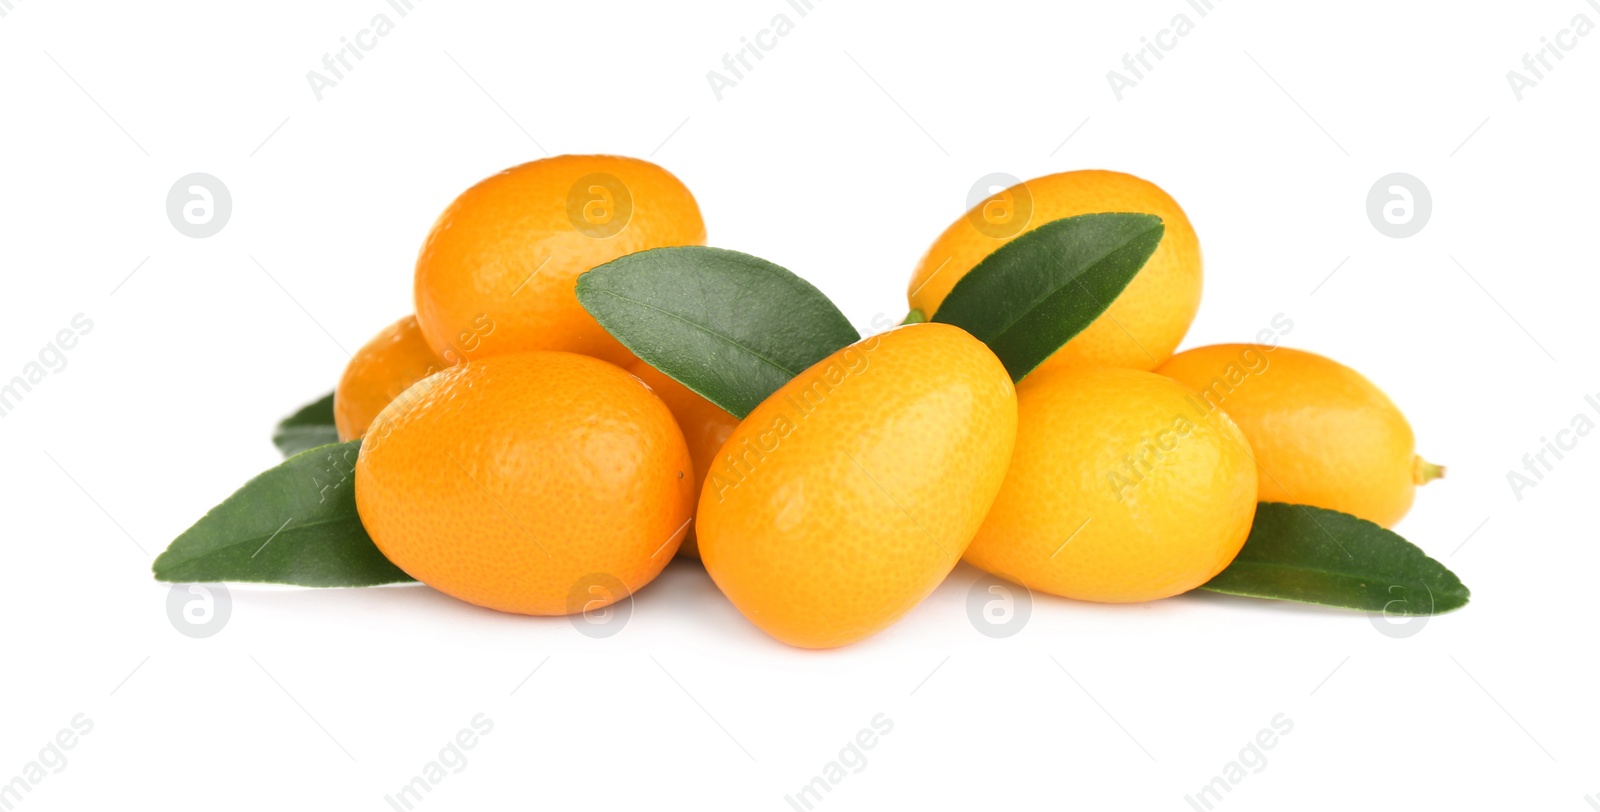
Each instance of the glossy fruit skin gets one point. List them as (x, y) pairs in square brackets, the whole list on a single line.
[(1122, 489), (497, 271), (705, 428), (1323, 434), (508, 480), (846, 496), (1144, 324), (383, 368)]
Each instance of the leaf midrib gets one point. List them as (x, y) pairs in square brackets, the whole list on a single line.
[(229, 545), (726, 339), (1320, 571), (1027, 311)]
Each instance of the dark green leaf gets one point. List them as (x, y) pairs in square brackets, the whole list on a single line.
[(1312, 555), (306, 429), (729, 326), (1033, 294), (294, 524)]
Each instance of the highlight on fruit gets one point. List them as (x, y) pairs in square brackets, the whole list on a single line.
[(586, 390)]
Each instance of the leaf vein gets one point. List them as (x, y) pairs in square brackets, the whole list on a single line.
[(702, 328)]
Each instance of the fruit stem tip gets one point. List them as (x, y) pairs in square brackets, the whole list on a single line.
[(1423, 472)]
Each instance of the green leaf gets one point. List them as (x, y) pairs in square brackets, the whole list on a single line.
[(294, 524), (730, 326), (1033, 294), (1312, 555), (306, 429), (915, 317)]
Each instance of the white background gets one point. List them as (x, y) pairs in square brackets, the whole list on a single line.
[(841, 156)]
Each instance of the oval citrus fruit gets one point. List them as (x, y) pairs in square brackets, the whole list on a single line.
[(383, 368), (516, 481), (1143, 325), (496, 273), (1323, 435), (1120, 490), (846, 496), (704, 424)]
